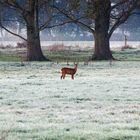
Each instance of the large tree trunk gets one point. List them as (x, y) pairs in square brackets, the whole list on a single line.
[(101, 37), (2, 35), (102, 47), (34, 52)]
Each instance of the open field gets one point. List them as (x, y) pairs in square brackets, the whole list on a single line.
[(102, 103), (17, 54)]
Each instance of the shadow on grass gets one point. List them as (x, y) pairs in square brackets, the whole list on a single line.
[(123, 138)]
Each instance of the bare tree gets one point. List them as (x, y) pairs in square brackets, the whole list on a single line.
[(101, 18), (29, 11), (37, 15)]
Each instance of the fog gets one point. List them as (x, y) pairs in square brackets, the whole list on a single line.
[(71, 34)]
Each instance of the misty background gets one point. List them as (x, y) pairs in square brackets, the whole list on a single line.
[(72, 32)]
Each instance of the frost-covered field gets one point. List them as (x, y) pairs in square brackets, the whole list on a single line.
[(102, 103)]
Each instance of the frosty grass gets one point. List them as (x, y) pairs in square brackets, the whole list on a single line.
[(102, 103)]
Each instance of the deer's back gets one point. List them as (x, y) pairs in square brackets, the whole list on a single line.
[(68, 70)]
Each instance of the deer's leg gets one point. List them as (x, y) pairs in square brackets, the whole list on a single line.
[(72, 76), (64, 76)]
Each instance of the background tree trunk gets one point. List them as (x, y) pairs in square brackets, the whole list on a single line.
[(1, 33), (34, 52), (101, 36), (102, 46)]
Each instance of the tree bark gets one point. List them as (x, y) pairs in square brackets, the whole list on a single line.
[(102, 46), (2, 35), (101, 37), (34, 52)]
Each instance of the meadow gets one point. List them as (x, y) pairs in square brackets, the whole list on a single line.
[(101, 103)]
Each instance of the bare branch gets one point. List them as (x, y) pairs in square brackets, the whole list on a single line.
[(13, 20), (118, 4), (12, 4), (12, 32), (74, 19), (123, 16), (56, 25), (135, 13)]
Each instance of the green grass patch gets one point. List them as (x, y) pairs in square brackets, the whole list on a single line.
[(11, 57), (74, 55), (68, 55), (127, 55), (123, 138)]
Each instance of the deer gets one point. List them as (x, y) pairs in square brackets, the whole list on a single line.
[(69, 71)]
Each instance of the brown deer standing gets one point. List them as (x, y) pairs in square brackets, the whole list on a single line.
[(69, 71)]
